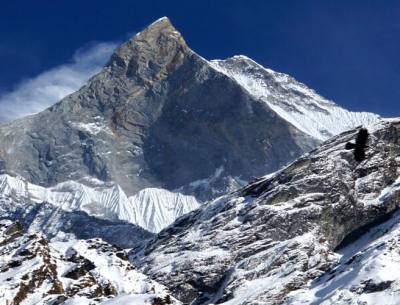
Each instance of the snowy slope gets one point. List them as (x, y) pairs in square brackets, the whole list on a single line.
[(269, 242), (293, 101), (367, 272), (34, 270), (153, 209)]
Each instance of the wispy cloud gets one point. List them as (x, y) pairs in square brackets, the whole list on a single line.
[(35, 94)]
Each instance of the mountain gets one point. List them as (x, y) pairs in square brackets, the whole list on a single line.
[(34, 270), (322, 230), (137, 158), (159, 118)]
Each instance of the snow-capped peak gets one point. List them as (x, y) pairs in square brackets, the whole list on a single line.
[(293, 101)]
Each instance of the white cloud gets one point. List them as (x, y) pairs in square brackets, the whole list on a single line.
[(35, 94)]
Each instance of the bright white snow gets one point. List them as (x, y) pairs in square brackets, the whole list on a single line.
[(151, 208), (291, 100)]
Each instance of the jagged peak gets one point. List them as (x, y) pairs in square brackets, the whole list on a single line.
[(159, 41)]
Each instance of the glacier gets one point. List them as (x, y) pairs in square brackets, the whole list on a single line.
[(152, 209)]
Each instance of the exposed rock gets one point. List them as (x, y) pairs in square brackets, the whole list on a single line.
[(15, 228), (83, 267), (369, 286), (94, 272)]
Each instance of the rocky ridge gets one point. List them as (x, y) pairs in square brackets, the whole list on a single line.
[(34, 270), (269, 241)]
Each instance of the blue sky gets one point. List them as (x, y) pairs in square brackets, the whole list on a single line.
[(347, 50)]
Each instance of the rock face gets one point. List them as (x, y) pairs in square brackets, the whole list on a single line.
[(159, 115), (34, 270), (266, 242)]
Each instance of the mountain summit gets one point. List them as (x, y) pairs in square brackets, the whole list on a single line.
[(152, 54), (160, 116)]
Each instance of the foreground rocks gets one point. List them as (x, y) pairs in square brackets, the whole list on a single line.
[(34, 270)]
